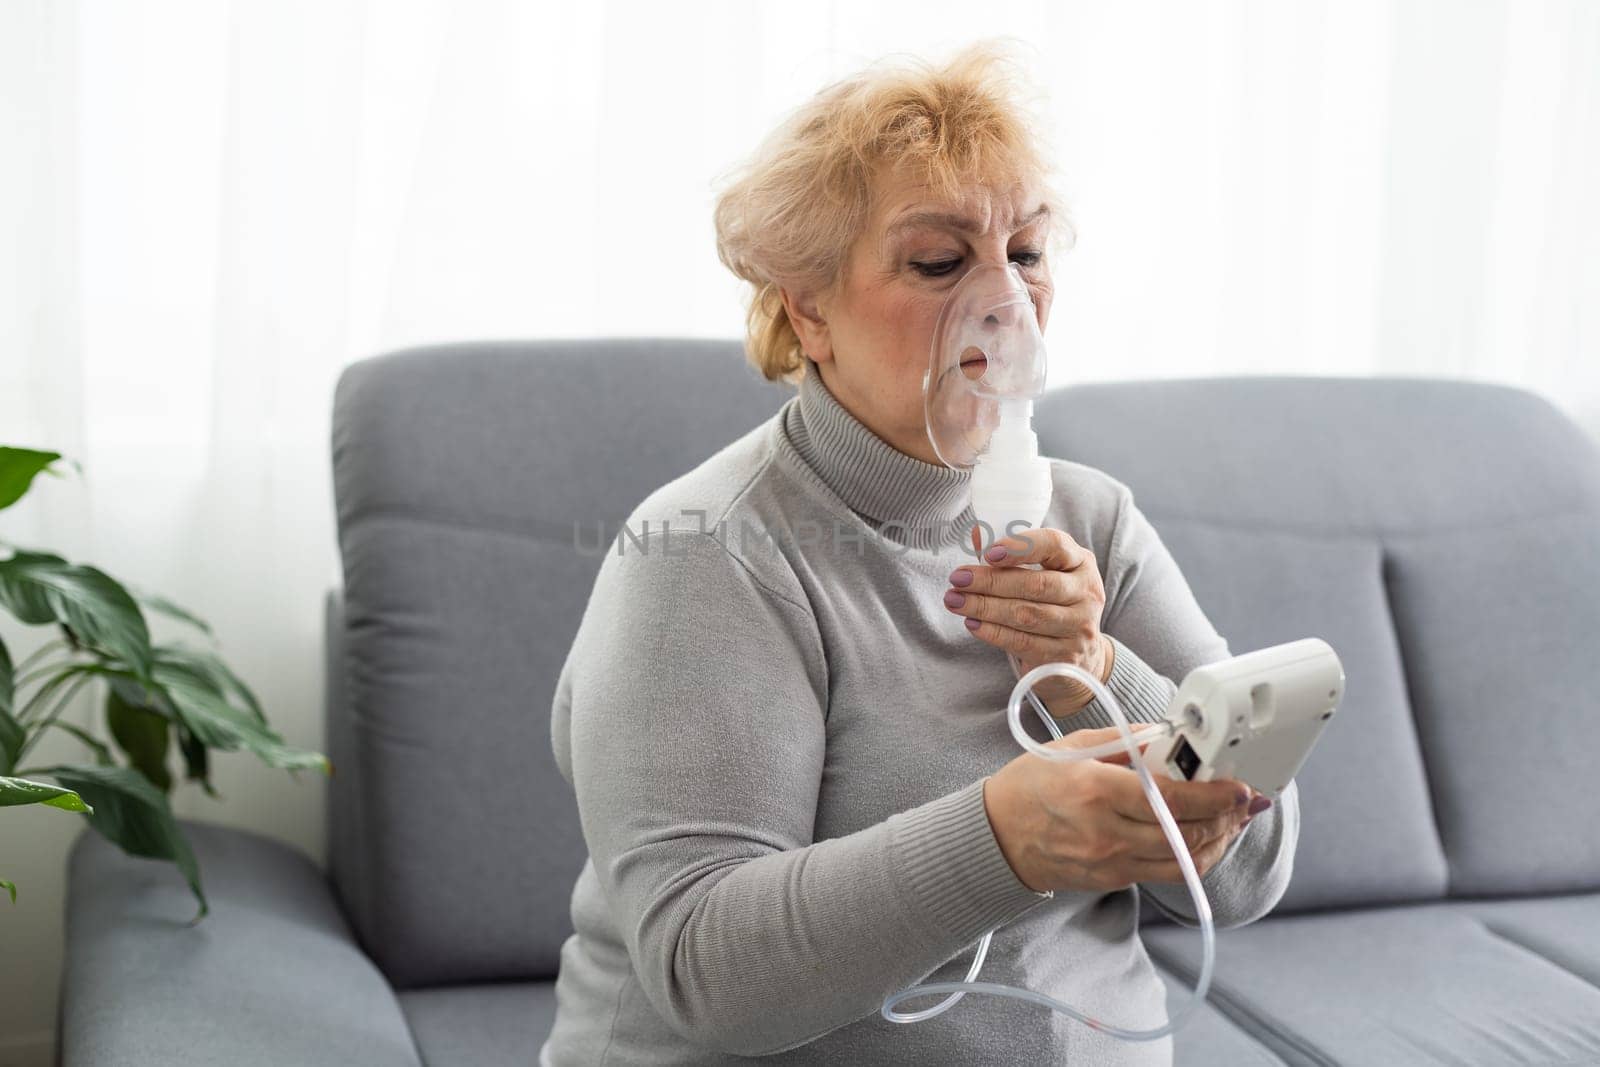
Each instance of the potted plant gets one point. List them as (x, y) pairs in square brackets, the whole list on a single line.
[(155, 696)]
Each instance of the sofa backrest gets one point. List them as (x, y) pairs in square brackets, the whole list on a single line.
[(459, 473), (1444, 538)]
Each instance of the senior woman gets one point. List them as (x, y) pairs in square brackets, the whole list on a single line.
[(784, 723)]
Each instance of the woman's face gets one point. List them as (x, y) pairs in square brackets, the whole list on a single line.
[(871, 332)]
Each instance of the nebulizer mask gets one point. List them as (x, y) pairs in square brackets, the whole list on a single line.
[(985, 370)]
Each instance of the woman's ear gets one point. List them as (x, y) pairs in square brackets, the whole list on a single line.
[(809, 325)]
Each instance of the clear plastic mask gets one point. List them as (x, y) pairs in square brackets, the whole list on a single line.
[(988, 360)]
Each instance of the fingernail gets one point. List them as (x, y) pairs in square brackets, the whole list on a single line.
[(961, 579), (973, 624), (1241, 798), (1259, 805), (953, 599), (995, 554)]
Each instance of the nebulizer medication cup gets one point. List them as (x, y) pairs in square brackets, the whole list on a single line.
[(986, 369), (1010, 480)]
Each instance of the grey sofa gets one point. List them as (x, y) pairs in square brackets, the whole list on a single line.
[(1444, 537)]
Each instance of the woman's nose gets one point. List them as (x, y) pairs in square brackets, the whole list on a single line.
[(1003, 317)]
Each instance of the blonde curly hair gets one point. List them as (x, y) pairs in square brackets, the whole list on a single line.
[(788, 216)]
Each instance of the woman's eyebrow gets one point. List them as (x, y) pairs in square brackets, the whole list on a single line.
[(946, 220), (951, 220)]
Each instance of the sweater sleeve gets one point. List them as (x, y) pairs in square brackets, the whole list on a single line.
[(698, 703), (1160, 634)]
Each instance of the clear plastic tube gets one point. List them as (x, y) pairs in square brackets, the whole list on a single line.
[(1128, 743)]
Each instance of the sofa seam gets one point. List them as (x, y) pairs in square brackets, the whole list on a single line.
[(1234, 1008), (1318, 532), (411, 1031), (1501, 934), (522, 533), (1412, 718)]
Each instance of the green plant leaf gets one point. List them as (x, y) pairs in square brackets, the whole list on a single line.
[(218, 724), (133, 814), (134, 691), (11, 733), (196, 761), (12, 739), (166, 607), (18, 791), (41, 588), (18, 466), (8, 676), (143, 734), (217, 674), (9, 888)]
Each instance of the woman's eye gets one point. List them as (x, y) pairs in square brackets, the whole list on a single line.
[(935, 268), (1027, 259)]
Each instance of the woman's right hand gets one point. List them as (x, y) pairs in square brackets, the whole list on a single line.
[(1088, 825)]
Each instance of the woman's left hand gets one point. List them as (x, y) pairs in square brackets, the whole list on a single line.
[(1047, 615)]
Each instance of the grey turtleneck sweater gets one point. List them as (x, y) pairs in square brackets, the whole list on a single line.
[(778, 737)]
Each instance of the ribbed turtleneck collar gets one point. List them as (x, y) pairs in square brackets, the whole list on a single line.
[(907, 500)]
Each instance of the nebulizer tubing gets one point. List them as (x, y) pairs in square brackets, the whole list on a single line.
[(1126, 742)]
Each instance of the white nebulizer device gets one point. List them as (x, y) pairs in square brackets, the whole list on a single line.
[(1254, 717)]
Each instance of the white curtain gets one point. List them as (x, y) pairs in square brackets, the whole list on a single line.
[(210, 208)]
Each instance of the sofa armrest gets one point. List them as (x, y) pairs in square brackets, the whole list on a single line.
[(270, 976)]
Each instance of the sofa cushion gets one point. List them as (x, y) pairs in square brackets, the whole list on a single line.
[(485, 1024), (271, 976), (1501, 632), (476, 485), (1367, 832), (1417, 984)]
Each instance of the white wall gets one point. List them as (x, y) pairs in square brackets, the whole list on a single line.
[(212, 207)]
